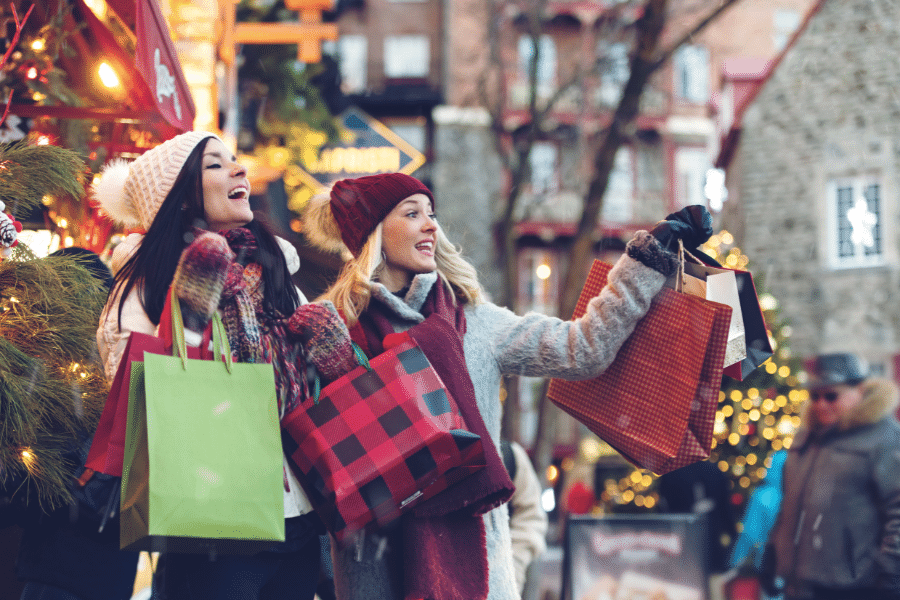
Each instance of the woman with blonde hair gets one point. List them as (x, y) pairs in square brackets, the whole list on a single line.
[(404, 275)]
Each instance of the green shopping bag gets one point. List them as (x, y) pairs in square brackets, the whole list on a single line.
[(203, 464)]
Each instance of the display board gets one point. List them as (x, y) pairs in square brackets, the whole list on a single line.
[(635, 557)]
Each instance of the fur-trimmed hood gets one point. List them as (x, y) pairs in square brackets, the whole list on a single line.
[(880, 399)]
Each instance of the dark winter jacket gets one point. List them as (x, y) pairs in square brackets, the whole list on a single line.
[(839, 525)]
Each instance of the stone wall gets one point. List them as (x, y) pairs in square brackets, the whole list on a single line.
[(468, 183), (831, 109)]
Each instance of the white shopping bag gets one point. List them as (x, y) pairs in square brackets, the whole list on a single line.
[(719, 285)]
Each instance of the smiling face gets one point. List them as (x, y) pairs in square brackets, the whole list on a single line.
[(226, 190), (407, 239), (830, 404)]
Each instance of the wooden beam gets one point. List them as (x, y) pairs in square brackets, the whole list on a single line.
[(308, 36)]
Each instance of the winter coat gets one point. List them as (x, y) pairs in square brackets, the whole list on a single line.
[(528, 520), (839, 525), (498, 342), (111, 341), (762, 511)]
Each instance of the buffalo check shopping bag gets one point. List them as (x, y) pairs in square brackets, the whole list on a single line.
[(656, 403), (378, 441)]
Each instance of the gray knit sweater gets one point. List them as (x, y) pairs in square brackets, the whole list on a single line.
[(498, 342)]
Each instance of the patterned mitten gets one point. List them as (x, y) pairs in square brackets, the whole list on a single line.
[(646, 249), (325, 338), (200, 277)]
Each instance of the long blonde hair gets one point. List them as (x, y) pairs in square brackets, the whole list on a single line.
[(351, 292)]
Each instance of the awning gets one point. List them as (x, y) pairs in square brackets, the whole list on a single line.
[(152, 82)]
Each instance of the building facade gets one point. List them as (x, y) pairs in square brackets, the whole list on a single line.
[(815, 161)]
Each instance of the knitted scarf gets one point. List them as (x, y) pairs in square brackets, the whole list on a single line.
[(444, 538), (254, 334)]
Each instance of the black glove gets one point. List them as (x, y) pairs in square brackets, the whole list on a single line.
[(770, 583), (692, 225), (888, 587)]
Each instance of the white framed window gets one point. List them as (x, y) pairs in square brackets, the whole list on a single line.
[(546, 67), (854, 224), (406, 56), (618, 203), (352, 54), (538, 280), (691, 68), (542, 162), (616, 69), (691, 165)]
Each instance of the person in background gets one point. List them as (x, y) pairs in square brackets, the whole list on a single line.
[(762, 511), (190, 198), (528, 520), (72, 553), (837, 536), (406, 276)]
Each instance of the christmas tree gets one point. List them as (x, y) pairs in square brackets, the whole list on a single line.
[(52, 387)]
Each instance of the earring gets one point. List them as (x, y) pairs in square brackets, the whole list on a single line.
[(383, 256)]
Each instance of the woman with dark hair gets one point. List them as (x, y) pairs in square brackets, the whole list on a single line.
[(190, 199)]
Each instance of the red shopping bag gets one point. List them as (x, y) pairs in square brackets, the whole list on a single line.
[(108, 444), (656, 403), (380, 440)]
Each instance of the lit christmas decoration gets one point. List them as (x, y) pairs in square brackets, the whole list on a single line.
[(863, 223)]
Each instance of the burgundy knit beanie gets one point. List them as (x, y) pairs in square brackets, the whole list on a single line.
[(360, 204)]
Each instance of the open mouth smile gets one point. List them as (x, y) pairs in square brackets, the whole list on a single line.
[(241, 192)]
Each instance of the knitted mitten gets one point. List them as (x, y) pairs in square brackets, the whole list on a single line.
[(200, 277), (646, 249), (325, 338)]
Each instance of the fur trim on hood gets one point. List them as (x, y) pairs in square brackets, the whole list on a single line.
[(880, 399)]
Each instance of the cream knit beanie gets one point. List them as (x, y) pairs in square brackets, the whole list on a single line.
[(131, 193)]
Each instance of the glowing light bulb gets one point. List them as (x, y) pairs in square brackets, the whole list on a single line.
[(108, 75)]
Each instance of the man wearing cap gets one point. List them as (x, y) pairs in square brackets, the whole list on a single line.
[(838, 533)]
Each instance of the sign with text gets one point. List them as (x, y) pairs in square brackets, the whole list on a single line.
[(619, 557), (367, 147)]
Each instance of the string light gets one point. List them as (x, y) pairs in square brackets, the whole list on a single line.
[(108, 76)]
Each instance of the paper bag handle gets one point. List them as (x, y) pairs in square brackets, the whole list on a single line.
[(361, 358), (221, 348)]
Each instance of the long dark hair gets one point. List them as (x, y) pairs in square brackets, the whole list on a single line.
[(152, 266)]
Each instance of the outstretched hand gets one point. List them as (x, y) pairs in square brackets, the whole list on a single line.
[(692, 225)]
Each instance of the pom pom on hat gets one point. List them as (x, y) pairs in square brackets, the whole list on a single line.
[(110, 193), (131, 193), (359, 205), (320, 228)]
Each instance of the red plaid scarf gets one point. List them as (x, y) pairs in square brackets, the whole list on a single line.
[(442, 534), (254, 335)]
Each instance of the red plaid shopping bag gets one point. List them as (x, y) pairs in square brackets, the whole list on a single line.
[(656, 403), (379, 440)]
